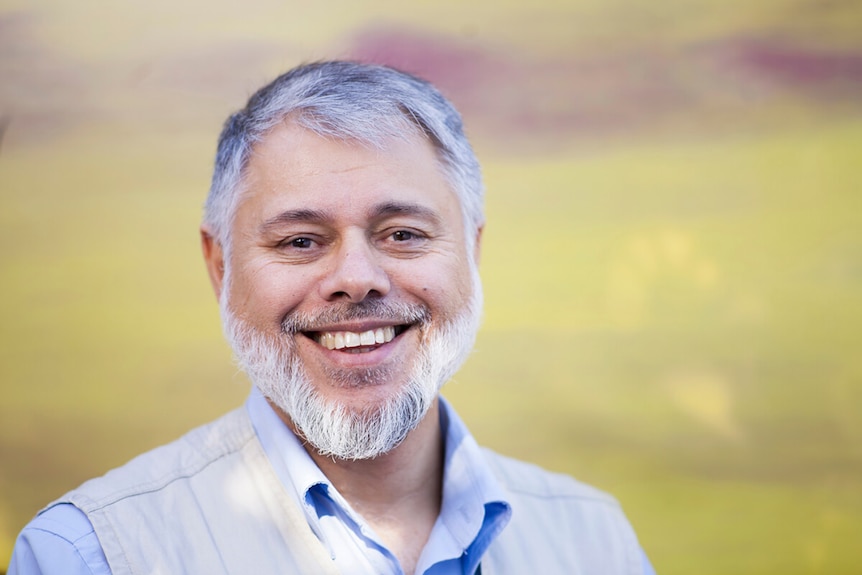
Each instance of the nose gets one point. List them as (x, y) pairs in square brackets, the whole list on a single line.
[(356, 274)]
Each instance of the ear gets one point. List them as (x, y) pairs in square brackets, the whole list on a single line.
[(214, 259), (477, 244)]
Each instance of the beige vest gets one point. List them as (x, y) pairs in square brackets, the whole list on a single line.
[(210, 503)]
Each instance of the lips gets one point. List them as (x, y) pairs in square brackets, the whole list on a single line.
[(358, 328)]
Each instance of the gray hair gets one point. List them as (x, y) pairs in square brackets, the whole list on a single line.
[(348, 101)]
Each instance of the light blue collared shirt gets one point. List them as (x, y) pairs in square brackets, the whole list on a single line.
[(472, 513)]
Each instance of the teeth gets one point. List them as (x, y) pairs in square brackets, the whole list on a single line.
[(342, 339), (351, 339)]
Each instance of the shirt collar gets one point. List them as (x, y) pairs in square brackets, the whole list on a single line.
[(468, 483), (293, 465)]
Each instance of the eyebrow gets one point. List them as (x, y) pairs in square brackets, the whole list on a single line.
[(405, 209), (293, 216)]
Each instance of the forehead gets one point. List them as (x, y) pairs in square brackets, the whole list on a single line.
[(294, 168)]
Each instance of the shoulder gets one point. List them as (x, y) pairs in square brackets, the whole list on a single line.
[(559, 524), (527, 479), (156, 469), (70, 534)]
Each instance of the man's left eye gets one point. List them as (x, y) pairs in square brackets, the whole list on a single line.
[(403, 236)]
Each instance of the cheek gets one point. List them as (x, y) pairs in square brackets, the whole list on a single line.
[(265, 294), (444, 288)]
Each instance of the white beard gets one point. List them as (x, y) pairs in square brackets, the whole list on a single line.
[(332, 428)]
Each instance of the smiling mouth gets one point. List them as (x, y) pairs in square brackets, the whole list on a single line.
[(353, 341)]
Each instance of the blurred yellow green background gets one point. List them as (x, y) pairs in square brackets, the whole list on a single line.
[(672, 263)]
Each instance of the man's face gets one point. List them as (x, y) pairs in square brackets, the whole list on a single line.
[(349, 275)]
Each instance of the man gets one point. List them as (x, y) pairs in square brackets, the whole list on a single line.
[(341, 235)]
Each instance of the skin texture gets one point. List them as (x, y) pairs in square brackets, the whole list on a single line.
[(325, 223)]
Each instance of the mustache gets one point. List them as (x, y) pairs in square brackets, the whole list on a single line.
[(371, 309)]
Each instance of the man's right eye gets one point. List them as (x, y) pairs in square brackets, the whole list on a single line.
[(301, 243)]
